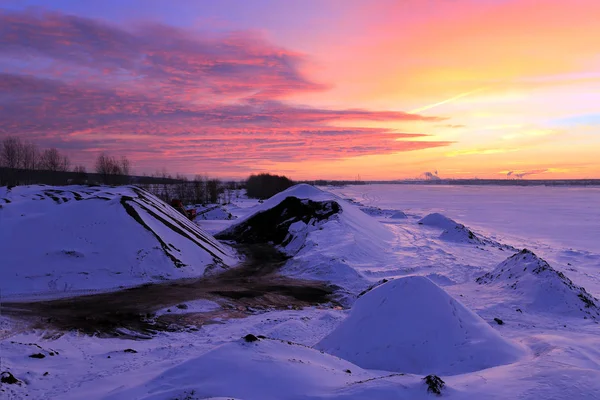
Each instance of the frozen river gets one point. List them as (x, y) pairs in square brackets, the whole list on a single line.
[(566, 217)]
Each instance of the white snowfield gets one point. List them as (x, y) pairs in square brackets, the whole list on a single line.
[(60, 241), (412, 325), (492, 321)]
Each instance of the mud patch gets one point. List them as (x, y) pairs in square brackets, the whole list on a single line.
[(252, 288)]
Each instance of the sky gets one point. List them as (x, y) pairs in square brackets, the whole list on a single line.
[(313, 89)]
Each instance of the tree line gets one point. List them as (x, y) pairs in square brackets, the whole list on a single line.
[(23, 163)]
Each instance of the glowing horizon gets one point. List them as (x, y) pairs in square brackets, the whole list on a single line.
[(310, 89)]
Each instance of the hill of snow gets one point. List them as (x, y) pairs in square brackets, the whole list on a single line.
[(539, 287), (264, 369), (412, 325), (61, 240), (438, 220), (327, 237), (458, 233)]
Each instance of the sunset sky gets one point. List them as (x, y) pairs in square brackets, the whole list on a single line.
[(309, 88)]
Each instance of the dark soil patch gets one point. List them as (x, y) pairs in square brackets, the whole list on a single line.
[(252, 287), (272, 225), (8, 378), (434, 383), (250, 338)]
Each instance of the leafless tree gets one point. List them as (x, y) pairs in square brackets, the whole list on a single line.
[(113, 170), (11, 150), (53, 160), (30, 156)]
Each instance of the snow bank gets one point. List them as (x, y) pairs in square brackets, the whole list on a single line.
[(328, 238), (411, 325), (536, 286), (63, 240), (264, 369)]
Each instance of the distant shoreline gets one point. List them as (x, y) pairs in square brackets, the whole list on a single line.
[(471, 182)]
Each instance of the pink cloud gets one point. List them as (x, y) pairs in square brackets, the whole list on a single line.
[(165, 95)]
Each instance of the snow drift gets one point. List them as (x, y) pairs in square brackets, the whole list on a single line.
[(59, 240), (411, 325), (328, 238), (263, 369), (539, 287)]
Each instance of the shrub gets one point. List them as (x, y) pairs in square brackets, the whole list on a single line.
[(263, 186)]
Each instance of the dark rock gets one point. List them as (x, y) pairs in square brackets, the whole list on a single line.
[(499, 321), (250, 338), (37, 355), (347, 371), (129, 351), (8, 378), (182, 306), (434, 383)]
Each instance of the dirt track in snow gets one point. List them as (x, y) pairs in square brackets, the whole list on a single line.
[(250, 288)]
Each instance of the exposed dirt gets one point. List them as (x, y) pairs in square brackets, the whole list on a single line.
[(252, 287)]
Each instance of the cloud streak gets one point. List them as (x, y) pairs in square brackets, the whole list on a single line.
[(159, 93)]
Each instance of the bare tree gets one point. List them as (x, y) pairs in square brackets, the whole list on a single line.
[(52, 160), (10, 152), (111, 169), (30, 156)]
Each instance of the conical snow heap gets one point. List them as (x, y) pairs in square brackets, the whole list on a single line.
[(412, 325), (540, 287)]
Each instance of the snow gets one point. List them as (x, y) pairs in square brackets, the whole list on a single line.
[(546, 348), (540, 288), (412, 325), (69, 240), (439, 221), (398, 215), (332, 249), (265, 369)]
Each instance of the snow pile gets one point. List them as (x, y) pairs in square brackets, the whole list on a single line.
[(398, 215), (262, 369), (328, 238), (412, 325), (58, 241), (458, 233), (539, 287), (438, 220)]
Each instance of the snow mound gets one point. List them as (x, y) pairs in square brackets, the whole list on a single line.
[(460, 234), (262, 369), (323, 234), (540, 287), (438, 220), (288, 218), (398, 215), (59, 241), (412, 325)]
